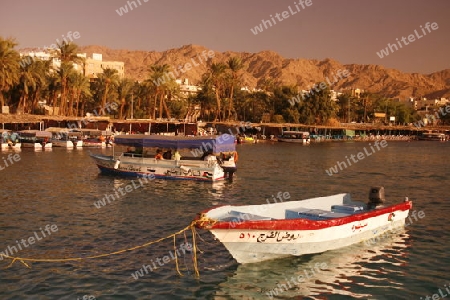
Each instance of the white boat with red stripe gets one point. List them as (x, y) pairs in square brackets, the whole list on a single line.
[(254, 233)]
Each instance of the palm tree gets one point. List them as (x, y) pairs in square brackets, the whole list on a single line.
[(67, 54), (41, 74), (206, 99), (235, 64), (26, 82), (171, 90), (64, 71), (32, 80), (9, 66), (215, 77), (109, 79), (80, 89), (124, 88), (141, 95), (52, 89), (162, 84)]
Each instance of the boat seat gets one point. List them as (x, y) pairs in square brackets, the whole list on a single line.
[(238, 216), (313, 214), (348, 208)]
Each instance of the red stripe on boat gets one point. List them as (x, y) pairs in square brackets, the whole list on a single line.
[(305, 224)]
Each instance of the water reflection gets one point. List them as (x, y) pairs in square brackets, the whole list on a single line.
[(355, 272), (217, 192)]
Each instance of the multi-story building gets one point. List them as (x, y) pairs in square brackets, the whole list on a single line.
[(90, 68), (425, 104), (95, 65), (187, 89)]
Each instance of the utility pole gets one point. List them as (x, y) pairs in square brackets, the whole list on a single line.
[(365, 107), (132, 106), (348, 110)]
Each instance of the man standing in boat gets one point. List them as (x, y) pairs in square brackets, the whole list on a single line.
[(229, 164)]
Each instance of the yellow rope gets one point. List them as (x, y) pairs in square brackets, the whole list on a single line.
[(201, 222), (194, 248), (176, 256)]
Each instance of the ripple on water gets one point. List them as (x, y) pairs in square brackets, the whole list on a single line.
[(61, 187)]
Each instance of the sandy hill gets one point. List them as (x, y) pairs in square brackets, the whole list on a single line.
[(303, 72)]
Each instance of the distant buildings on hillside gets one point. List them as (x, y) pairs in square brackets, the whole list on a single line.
[(91, 67), (95, 65)]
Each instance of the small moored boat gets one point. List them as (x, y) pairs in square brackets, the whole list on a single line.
[(254, 233), (245, 139), (93, 138), (9, 140), (65, 137), (432, 136), (36, 139), (295, 137), (204, 158)]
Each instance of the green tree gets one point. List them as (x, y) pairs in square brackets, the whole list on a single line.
[(124, 91), (317, 106), (162, 82), (42, 73), (206, 99), (281, 103), (141, 96), (32, 81), (64, 71), (9, 67), (235, 65), (109, 81), (80, 91), (349, 108), (67, 54), (52, 90), (215, 78)]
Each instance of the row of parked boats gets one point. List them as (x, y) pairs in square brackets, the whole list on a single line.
[(54, 137)]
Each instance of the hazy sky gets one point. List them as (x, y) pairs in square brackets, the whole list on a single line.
[(349, 31)]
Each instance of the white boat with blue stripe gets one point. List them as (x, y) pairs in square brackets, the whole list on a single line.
[(185, 158)]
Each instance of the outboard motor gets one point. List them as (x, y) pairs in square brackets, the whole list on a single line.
[(376, 197)]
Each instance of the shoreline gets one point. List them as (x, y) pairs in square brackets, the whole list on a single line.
[(19, 122)]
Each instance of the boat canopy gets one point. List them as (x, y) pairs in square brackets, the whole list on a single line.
[(214, 143), (88, 131), (57, 130), (36, 133)]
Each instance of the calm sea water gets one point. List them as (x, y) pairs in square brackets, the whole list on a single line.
[(60, 187)]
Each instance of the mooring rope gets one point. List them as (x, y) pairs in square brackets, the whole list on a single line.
[(201, 222)]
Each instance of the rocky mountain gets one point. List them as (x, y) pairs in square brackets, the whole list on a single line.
[(269, 64)]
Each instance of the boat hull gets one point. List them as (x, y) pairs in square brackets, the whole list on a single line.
[(244, 246), (298, 141), (93, 144), (159, 169), (255, 233), (64, 144), (6, 146), (38, 146)]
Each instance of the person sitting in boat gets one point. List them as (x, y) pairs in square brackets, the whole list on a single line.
[(176, 155), (210, 156), (159, 154), (167, 154), (211, 159), (130, 151), (205, 155)]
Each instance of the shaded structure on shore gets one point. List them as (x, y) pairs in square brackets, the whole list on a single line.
[(260, 130)]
